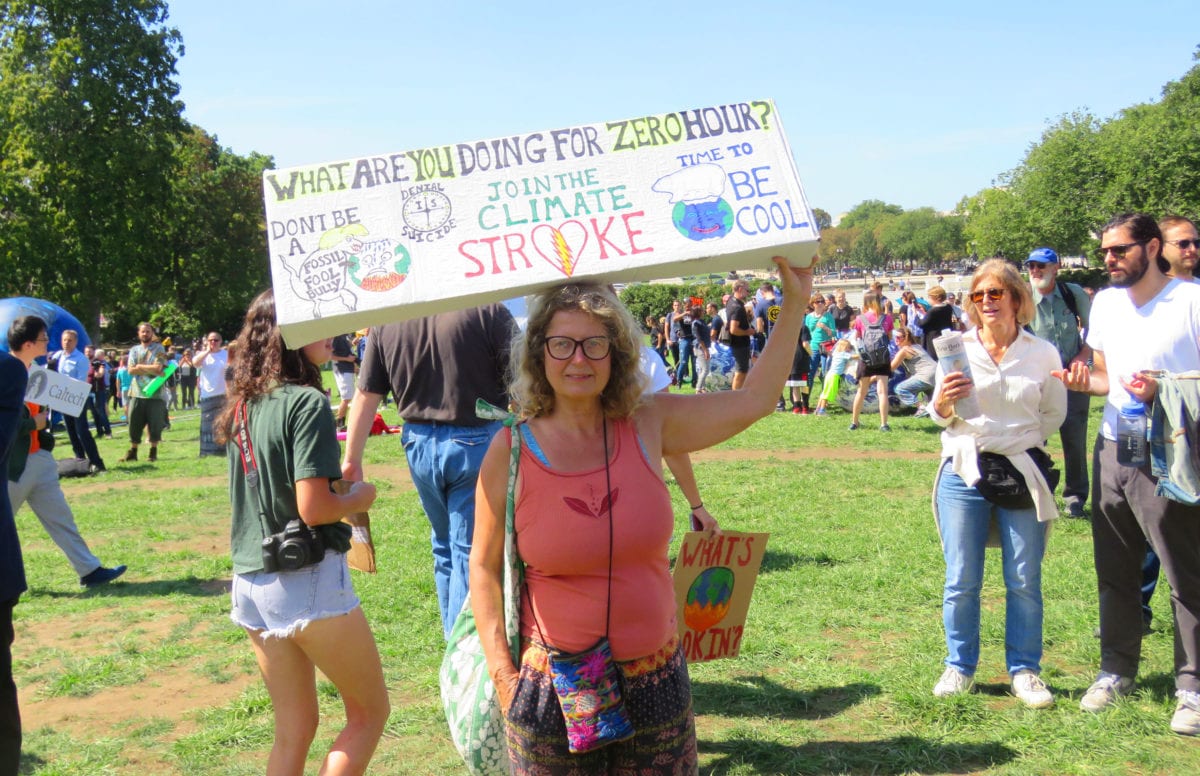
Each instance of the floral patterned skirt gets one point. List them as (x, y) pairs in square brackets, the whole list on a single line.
[(658, 698)]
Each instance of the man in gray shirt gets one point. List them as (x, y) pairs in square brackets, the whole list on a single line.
[(1060, 317)]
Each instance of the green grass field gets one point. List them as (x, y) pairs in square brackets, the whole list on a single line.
[(842, 646)]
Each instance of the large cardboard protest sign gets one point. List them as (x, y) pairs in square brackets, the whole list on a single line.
[(384, 238), (714, 577), (57, 391)]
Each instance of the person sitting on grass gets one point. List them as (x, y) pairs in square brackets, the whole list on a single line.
[(919, 367)]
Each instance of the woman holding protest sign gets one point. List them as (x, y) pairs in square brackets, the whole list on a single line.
[(291, 585), (997, 402), (593, 521)]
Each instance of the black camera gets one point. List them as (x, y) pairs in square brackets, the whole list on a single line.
[(296, 546)]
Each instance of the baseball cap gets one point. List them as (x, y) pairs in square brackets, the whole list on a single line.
[(1044, 255)]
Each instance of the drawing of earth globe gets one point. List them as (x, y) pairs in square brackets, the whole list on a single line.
[(381, 273), (708, 598), (703, 220)]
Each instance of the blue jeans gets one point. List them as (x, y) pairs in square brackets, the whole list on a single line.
[(444, 462), (98, 404), (964, 518), (907, 390), (686, 363), (818, 362)]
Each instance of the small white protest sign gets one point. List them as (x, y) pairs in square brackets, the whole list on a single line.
[(57, 391), (377, 239)]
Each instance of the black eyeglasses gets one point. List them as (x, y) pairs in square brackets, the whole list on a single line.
[(1118, 251), (563, 348), (1035, 264), (994, 294), (1183, 245)]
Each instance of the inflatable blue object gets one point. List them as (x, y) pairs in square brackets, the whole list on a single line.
[(58, 319)]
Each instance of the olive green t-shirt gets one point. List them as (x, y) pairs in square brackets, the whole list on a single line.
[(293, 437)]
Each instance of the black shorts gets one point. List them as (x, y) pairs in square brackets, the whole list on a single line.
[(801, 362), (874, 371), (741, 357)]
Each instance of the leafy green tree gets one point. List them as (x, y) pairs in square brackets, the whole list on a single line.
[(654, 299), (866, 252), (214, 238), (823, 219), (1060, 186), (921, 237), (837, 244), (88, 123), (869, 214), (995, 224)]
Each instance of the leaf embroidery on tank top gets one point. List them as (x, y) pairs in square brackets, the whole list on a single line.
[(585, 509)]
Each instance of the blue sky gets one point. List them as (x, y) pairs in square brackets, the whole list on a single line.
[(916, 103)]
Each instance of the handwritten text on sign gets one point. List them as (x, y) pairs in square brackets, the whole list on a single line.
[(714, 577), (401, 235)]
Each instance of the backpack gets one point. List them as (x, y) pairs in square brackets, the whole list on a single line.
[(874, 347)]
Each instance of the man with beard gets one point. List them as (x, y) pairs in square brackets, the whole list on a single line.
[(147, 360), (1180, 246), (1061, 313), (1146, 321)]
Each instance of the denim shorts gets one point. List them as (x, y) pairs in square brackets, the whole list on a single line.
[(281, 604)]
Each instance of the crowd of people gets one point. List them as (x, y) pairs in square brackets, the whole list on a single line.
[(591, 510)]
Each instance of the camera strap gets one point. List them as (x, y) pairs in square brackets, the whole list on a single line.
[(241, 421), (241, 425)]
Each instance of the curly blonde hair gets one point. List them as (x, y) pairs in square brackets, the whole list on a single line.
[(530, 391)]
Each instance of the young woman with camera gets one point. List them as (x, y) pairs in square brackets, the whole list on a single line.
[(303, 613)]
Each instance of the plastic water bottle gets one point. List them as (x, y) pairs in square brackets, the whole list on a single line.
[(953, 358), (1131, 434)]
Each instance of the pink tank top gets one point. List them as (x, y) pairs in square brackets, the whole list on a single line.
[(562, 536)]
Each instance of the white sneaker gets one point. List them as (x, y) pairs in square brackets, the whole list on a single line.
[(1104, 691), (953, 682), (1032, 691), (1186, 721)]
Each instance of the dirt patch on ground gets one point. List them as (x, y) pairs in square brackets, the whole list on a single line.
[(173, 694)]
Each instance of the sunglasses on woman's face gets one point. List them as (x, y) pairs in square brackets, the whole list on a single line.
[(993, 294)]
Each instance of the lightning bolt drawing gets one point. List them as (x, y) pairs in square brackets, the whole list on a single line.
[(564, 253)]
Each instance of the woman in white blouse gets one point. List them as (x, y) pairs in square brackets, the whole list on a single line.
[(1021, 406)]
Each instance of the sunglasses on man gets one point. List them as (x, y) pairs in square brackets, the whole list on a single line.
[(1118, 251)]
